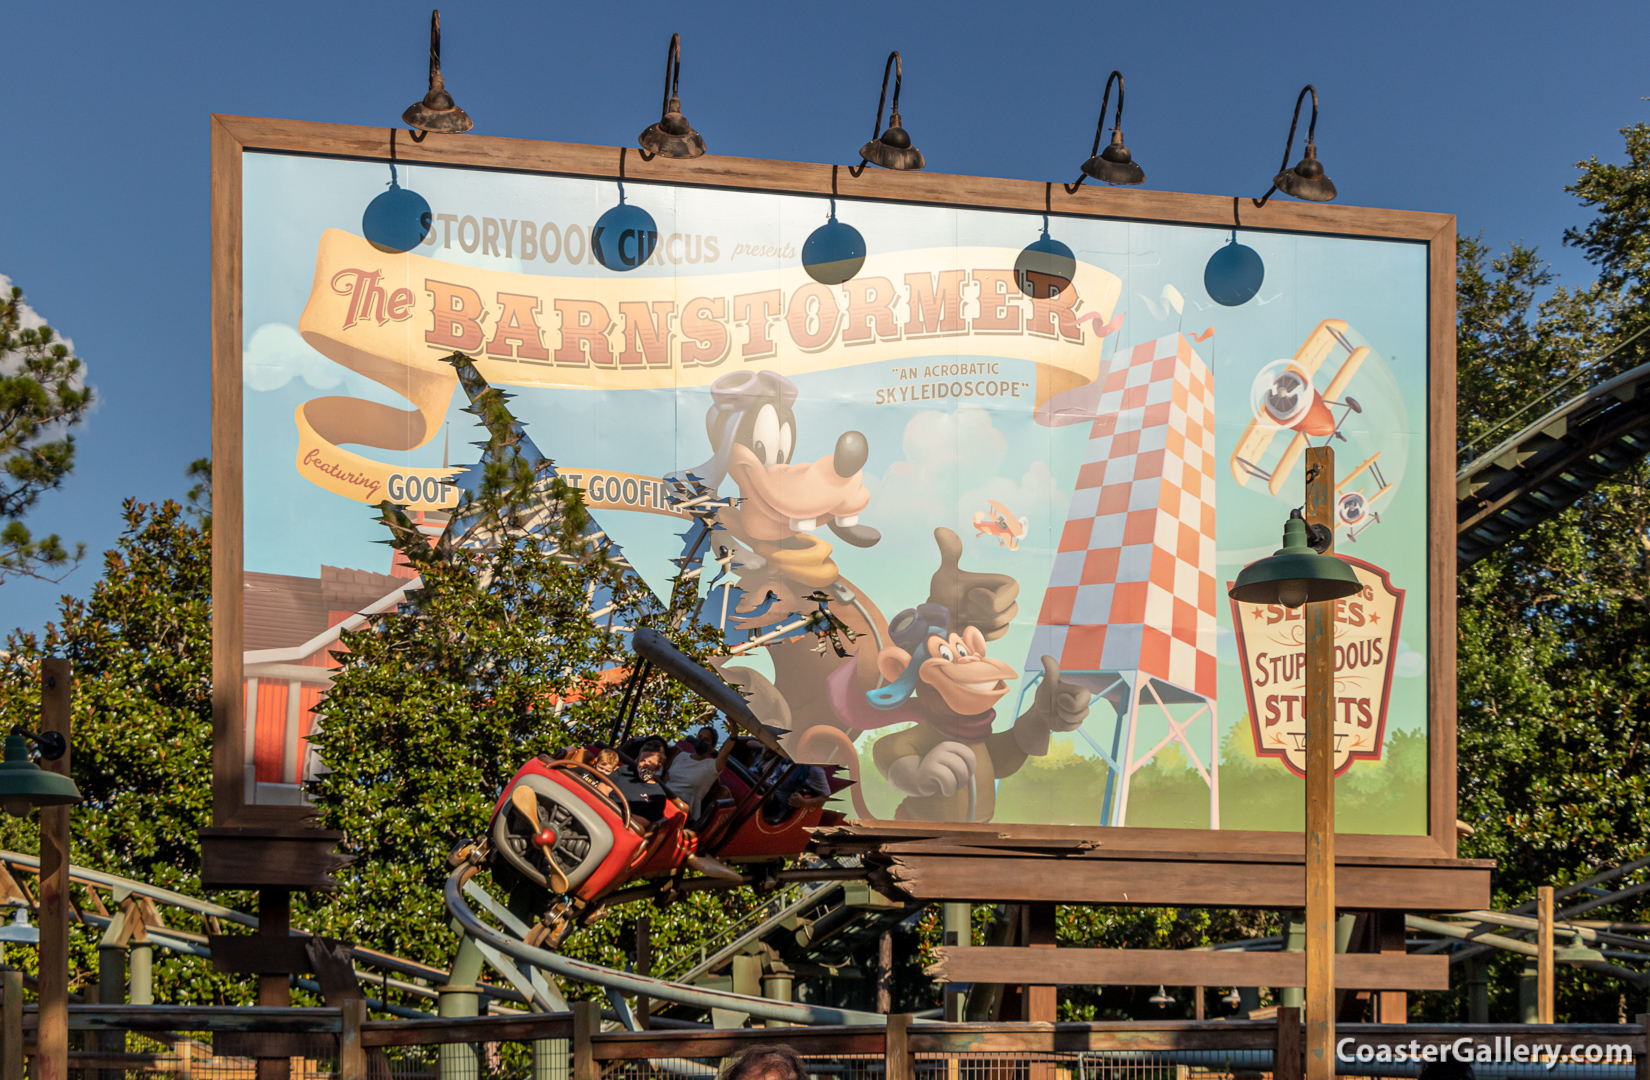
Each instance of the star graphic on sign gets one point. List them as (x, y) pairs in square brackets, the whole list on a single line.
[(1259, 612), (1374, 617)]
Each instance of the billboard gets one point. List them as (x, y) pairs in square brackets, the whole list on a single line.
[(1020, 441)]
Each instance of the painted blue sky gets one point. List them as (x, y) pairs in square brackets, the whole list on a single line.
[(105, 187)]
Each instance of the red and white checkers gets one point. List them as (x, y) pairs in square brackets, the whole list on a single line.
[(1133, 583)]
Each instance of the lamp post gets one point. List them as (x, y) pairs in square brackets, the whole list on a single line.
[(25, 785), (1305, 572)]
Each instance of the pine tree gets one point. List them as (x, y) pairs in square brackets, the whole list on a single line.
[(41, 395)]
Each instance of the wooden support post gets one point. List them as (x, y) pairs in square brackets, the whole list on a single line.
[(587, 1021), (1286, 1058), (644, 966), (53, 1061), (1197, 1000), (1544, 956), (885, 972), (897, 1062), (352, 1056), (1392, 1007), (11, 1025), (274, 920), (1320, 789), (1042, 931)]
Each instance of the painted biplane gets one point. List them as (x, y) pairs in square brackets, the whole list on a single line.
[(1285, 398), (1000, 522), (562, 839)]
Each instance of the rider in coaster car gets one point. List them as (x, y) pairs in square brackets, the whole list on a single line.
[(639, 783), (694, 770)]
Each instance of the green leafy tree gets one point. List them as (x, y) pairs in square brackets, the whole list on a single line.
[(1554, 690), (495, 658), (42, 394), (141, 650)]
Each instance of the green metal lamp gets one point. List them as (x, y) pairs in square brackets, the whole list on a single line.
[(25, 785), (1576, 953), (1297, 573)]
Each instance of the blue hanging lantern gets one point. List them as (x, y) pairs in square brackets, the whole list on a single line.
[(624, 237), (1052, 262), (397, 220), (834, 252), (1234, 274)]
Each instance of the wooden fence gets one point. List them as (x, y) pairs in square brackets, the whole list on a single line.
[(347, 1034)]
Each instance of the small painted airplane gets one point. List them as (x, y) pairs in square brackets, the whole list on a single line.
[(1001, 523), (1354, 509), (1285, 399)]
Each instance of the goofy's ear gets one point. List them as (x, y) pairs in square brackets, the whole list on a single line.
[(892, 662)]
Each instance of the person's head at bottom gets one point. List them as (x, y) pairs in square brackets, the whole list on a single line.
[(766, 1062), (1448, 1069)]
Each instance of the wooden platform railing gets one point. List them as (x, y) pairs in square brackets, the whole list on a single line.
[(276, 1032)]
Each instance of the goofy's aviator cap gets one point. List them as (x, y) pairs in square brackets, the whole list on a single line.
[(910, 630), (731, 396)]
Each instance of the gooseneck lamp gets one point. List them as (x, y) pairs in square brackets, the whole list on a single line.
[(437, 111), (1306, 180), (1114, 164), (890, 149), (672, 136), (25, 785), (1296, 573)]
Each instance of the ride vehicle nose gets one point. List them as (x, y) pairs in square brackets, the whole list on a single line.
[(851, 453)]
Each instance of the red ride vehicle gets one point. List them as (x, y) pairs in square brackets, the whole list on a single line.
[(562, 838)]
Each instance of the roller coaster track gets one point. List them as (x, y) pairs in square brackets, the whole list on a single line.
[(1551, 464)]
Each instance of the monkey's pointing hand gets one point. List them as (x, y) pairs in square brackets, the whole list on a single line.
[(941, 771), (1058, 706), (985, 601)]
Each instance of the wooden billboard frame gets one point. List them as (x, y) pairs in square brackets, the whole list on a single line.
[(231, 136)]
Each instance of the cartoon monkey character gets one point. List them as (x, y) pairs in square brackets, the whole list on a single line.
[(944, 680)]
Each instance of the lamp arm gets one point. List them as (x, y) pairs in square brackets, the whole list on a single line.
[(1117, 121), (673, 72), (437, 82), (50, 743), (898, 67), (1100, 124), (1294, 121)]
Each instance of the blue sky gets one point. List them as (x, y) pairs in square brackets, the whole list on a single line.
[(1478, 110)]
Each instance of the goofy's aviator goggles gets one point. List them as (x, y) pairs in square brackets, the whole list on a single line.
[(910, 630)]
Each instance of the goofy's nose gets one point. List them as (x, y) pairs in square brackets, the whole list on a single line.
[(851, 452)]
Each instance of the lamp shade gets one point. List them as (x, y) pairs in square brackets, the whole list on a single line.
[(673, 136), (1576, 953), (1306, 180), (18, 931), (25, 785), (1294, 574), (1114, 164)]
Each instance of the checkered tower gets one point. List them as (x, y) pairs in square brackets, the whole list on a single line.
[(1132, 593)]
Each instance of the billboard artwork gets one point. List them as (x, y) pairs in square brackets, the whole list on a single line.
[(1022, 455)]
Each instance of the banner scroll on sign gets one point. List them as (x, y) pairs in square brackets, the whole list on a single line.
[(394, 318)]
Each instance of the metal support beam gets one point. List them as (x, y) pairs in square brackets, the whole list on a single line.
[(461, 998)]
